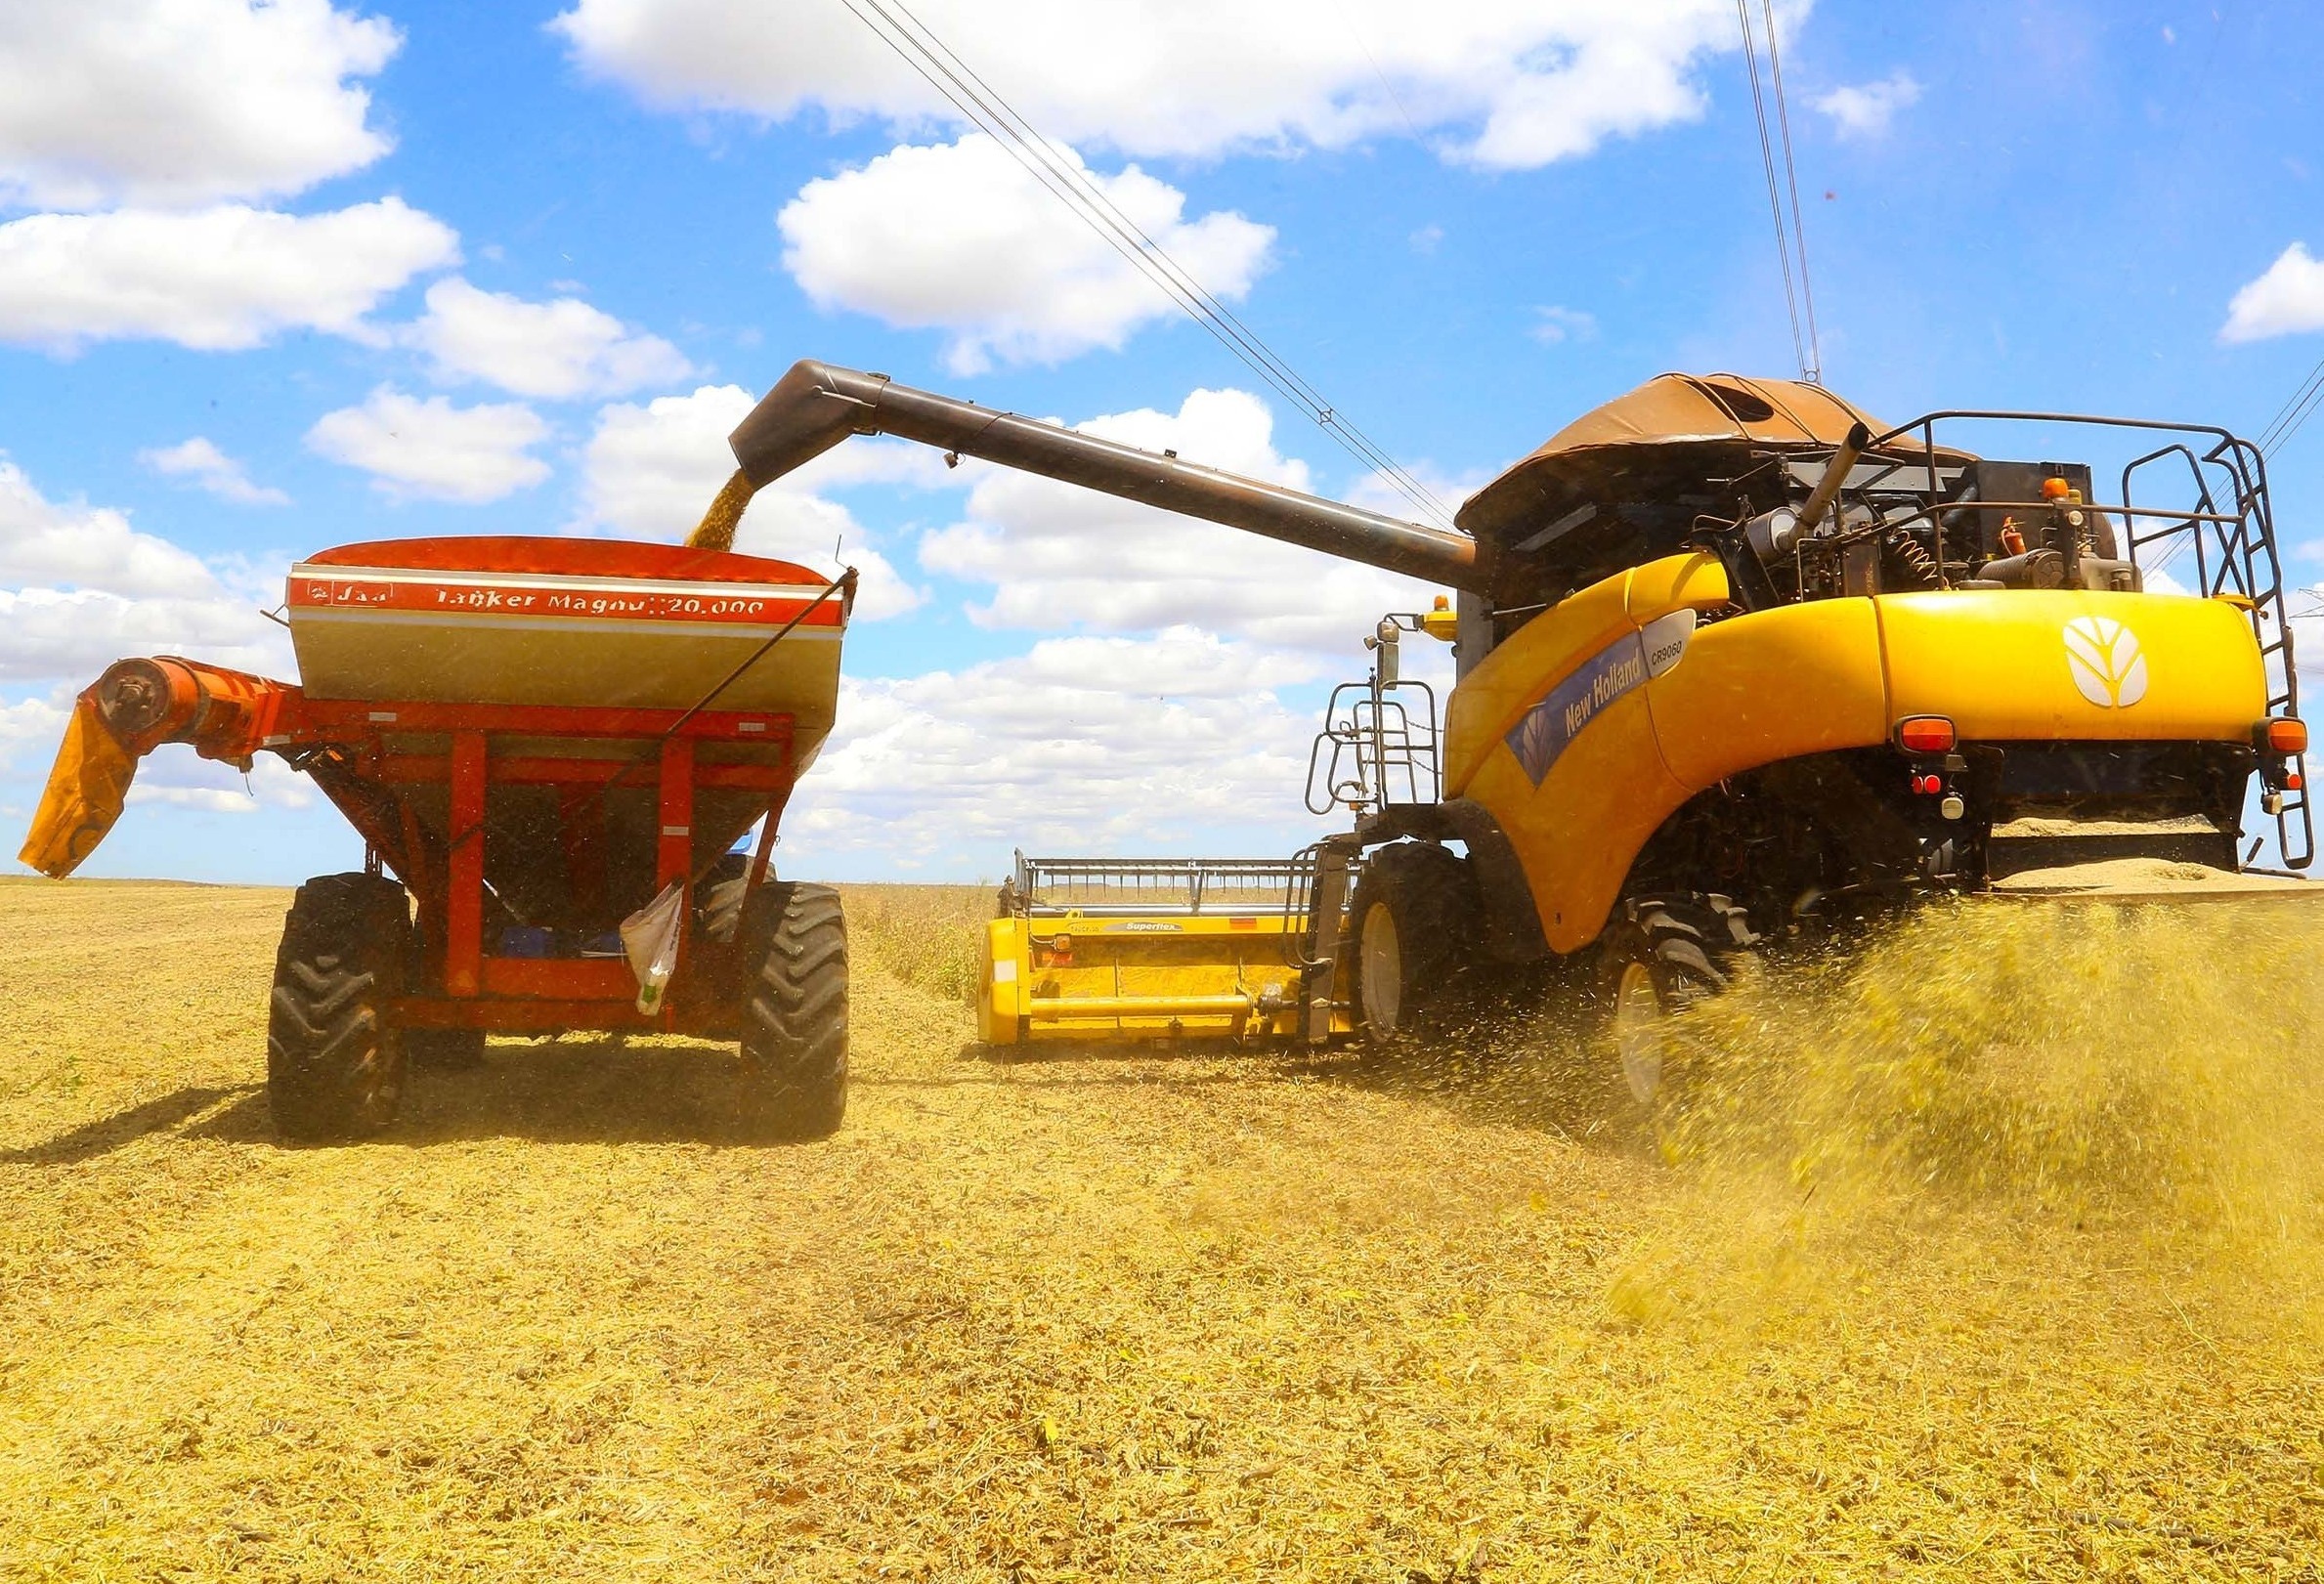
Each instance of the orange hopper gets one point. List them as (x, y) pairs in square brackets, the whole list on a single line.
[(534, 736)]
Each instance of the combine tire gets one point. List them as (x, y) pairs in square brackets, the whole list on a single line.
[(1663, 955), (1414, 920), (333, 1067), (794, 1017)]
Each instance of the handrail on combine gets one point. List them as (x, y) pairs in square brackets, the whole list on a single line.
[(2227, 519), (1390, 746)]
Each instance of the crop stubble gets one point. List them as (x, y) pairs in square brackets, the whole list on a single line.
[(1975, 1265)]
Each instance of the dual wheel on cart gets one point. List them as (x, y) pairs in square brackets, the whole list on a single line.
[(337, 1064), (1416, 919)]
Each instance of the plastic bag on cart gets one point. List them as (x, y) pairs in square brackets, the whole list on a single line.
[(650, 940)]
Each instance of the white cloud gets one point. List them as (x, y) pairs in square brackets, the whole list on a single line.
[(556, 350), (1554, 326), (1502, 83), (79, 588), (650, 470), (2286, 299), (77, 545), (29, 730), (217, 279), (200, 460), (1054, 553), (1866, 109), (182, 101), (430, 448), (1084, 744), (185, 780), (957, 237)]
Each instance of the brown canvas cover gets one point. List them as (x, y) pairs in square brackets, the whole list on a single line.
[(1670, 428)]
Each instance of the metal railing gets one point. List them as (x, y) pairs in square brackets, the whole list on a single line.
[(1120, 888), (1375, 749), (2226, 518)]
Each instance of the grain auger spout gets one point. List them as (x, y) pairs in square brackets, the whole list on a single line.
[(816, 406)]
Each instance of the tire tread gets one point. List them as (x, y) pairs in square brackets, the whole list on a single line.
[(795, 1019), (334, 1069)]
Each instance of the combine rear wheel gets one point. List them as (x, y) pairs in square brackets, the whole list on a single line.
[(1663, 955), (1414, 919), (334, 1069), (795, 1016)]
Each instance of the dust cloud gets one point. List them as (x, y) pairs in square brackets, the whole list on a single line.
[(1979, 1080)]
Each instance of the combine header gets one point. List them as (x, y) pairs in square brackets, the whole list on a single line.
[(1737, 664), (1155, 947)]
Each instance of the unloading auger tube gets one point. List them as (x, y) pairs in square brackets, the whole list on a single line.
[(816, 406)]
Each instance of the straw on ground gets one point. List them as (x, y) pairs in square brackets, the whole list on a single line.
[(1111, 1314)]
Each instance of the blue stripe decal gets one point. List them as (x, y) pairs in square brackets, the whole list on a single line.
[(1549, 728)]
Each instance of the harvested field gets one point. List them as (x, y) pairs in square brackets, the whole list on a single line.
[(1992, 1253)]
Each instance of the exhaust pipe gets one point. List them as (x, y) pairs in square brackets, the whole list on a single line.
[(816, 406), (1835, 475)]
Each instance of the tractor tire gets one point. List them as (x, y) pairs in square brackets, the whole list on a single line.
[(1662, 956), (334, 1068), (793, 1079), (721, 891), (1414, 922)]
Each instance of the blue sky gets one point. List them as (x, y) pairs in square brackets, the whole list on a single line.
[(439, 269)]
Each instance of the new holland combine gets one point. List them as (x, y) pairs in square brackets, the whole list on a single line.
[(1736, 662)]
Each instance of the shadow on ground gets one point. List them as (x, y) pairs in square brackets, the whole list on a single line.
[(106, 1135), (1535, 1065), (607, 1088)]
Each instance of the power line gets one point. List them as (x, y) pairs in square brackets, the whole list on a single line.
[(1799, 232), (1775, 200), (1066, 180), (2294, 413)]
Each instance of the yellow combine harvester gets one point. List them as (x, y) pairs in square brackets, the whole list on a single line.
[(1737, 664)]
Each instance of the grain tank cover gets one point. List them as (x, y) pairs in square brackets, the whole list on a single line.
[(1667, 436), (596, 622)]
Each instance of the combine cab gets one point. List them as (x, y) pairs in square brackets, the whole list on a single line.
[(1736, 663)]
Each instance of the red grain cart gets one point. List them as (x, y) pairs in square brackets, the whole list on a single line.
[(538, 740)]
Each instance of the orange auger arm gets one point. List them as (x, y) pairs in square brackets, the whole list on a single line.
[(133, 708)]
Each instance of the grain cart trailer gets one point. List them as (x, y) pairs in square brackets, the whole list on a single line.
[(549, 747)]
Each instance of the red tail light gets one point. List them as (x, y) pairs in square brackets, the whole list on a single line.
[(2284, 735), (1926, 734)]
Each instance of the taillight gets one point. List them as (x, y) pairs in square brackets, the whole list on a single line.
[(2282, 735), (1926, 734)]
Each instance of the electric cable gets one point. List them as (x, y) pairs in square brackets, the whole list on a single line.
[(1799, 233), (1775, 200), (1066, 179), (2294, 413)]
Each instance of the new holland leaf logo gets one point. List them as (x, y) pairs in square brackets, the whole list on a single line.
[(2107, 663)]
